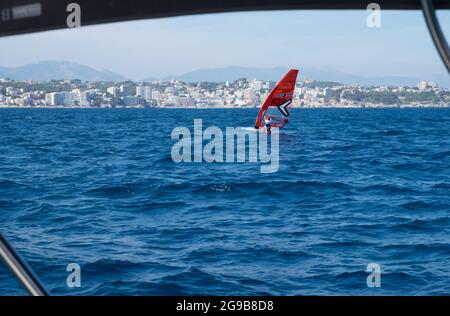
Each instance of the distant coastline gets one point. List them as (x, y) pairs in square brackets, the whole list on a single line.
[(4, 106), (241, 93)]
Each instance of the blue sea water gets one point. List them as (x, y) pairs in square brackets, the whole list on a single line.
[(99, 188)]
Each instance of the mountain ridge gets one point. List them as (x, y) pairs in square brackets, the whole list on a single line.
[(54, 70), (231, 73)]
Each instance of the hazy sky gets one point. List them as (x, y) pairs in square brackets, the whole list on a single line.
[(338, 40)]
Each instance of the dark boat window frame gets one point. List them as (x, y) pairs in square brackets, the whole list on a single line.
[(52, 14)]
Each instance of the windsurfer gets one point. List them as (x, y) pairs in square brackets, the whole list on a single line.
[(267, 122), (280, 97)]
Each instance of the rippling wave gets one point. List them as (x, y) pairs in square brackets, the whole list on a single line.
[(99, 188)]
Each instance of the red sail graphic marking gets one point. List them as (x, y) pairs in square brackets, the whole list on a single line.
[(280, 97)]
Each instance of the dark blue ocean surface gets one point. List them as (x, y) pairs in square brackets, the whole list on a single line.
[(99, 188)]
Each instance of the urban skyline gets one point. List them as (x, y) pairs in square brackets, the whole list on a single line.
[(242, 93)]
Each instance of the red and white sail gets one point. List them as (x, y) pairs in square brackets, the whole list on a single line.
[(280, 97)]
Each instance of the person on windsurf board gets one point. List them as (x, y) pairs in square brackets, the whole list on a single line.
[(267, 122), (280, 97)]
